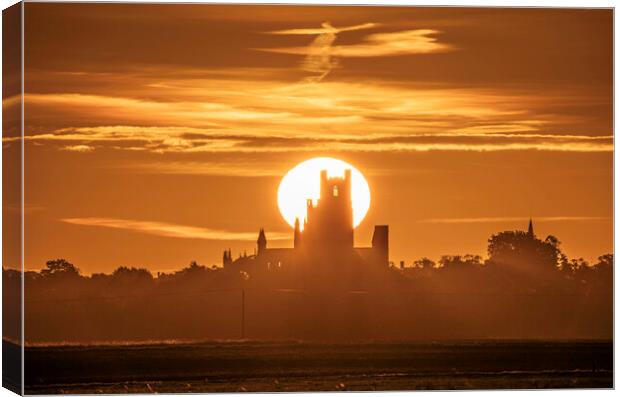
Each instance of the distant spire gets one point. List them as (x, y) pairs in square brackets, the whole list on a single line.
[(530, 229), (262, 241), (227, 258)]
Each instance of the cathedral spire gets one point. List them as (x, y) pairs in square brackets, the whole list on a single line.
[(227, 258), (530, 229), (262, 241)]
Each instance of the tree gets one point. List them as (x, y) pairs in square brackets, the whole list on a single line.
[(604, 268), (578, 269), (132, 274), (605, 262), (193, 270), (60, 267), (518, 250), (424, 263), (458, 262)]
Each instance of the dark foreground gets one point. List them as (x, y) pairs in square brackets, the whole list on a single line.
[(293, 366)]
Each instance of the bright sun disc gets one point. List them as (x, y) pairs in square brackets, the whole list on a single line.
[(303, 183)]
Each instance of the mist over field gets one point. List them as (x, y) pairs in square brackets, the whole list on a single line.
[(527, 289)]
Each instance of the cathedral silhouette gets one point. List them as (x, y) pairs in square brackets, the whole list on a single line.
[(326, 236)]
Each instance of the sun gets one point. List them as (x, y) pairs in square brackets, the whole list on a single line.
[(303, 182)]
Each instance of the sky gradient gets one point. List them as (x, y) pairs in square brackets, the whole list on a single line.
[(158, 134)]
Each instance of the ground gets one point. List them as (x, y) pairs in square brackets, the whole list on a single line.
[(297, 366)]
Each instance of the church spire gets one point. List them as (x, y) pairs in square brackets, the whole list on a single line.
[(530, 229)]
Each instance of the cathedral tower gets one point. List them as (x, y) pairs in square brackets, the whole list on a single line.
[(329, 223)]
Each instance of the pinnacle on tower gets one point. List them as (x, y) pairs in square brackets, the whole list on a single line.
[(297, 234), (227, 258), (262, 241)]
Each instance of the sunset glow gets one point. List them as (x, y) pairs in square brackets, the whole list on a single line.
[(303, 183), (175, 116), (186, 190)]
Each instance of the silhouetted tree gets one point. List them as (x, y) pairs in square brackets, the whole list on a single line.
[(424, 263), (132, 274), (193, 271), (520, 251), (199, 302), (570, 267), (605, 262), (60, 267), (604, 269), (458, 262)]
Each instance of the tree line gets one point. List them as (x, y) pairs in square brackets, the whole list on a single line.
[(525, 288)]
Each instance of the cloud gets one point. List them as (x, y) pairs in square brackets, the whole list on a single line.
[(171, 230), (78, 148), (319, 55), (406, 42), (515, 219), (255, 114), (325, 28), (194, 140)]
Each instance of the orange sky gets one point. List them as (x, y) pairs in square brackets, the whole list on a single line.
[(157, 134)]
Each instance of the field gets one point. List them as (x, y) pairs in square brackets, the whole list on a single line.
[(297, 366)]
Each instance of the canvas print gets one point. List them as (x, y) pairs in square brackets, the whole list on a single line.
[(280, 198)]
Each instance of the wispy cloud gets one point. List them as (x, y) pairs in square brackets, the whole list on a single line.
[(171, 230), (78, 148), (515, 219), (193, 140), (406, 42), (205, 115), (320, 53), (326, 28)]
